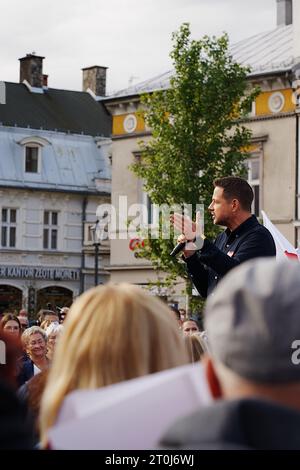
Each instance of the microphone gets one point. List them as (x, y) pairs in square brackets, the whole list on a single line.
[(178, 248)]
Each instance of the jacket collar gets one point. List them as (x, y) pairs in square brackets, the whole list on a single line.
[(243, 228)]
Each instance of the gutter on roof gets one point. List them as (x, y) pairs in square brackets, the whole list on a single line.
[(271, 73), (120, 97), (138, 93), (130, 136), (52, 190), (54, 130)]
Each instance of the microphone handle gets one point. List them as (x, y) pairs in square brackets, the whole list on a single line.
[(178, 248)]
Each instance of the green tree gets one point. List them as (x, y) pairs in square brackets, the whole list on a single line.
[(197, 133)]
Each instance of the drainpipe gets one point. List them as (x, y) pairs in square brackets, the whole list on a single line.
[(82, 267), (297, 176)]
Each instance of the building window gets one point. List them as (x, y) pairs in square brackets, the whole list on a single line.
[(150, 214), (150, 211), (253, 169), (50, 230), (32, 159), (88, 234), (8, 228)]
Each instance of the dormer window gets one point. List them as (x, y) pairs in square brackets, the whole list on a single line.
[(33, 149), (32, 159)]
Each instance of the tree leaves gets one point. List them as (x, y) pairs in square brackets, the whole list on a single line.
[(196, 132)]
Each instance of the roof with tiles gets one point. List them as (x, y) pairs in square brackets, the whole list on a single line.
[(55, 110)]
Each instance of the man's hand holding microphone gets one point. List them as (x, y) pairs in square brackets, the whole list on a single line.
[(191, 238)]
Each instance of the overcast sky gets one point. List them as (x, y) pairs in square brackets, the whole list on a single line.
[(131, 37)]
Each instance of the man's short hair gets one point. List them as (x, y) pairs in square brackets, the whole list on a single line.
[(192, 319), (175, 310), (236, 188), (43, 313)]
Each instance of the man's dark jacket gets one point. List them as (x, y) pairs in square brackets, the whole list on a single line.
[(26, 372), (208, 265), (237, 424)]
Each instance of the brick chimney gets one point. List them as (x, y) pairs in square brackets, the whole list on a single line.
[(94, 78), (284, 12), (31, 70), (45, 80)]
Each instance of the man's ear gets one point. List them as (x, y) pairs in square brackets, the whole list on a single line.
[(235, 204), (212, 379)]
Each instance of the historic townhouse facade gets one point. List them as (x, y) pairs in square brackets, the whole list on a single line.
[(54, 172), (273, 169)]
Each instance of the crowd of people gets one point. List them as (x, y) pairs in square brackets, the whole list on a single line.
[(248, 345), (115, 333)]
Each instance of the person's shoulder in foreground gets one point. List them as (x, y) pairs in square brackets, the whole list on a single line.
[(222, 427), (253, 329)]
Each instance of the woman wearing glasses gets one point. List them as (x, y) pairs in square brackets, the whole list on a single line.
[(34, 341)]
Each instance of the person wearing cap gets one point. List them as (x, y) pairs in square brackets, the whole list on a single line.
[(243, 239), (253, 372)]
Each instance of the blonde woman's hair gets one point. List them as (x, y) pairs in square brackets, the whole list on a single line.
[(112, 333), (194, 347), (53, 329)]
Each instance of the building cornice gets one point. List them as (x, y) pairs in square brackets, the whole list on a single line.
[(257, 139), (269, 117), (130, 136), (24, 253), (130, 267), (54, 190)]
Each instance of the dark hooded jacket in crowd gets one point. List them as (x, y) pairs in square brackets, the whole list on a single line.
[(26, 371), (16, 428), (249, 424)]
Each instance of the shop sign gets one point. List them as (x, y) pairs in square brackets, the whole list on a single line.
[(43, 273)]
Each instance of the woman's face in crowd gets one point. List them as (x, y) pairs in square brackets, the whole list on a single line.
[(12, 328), (36, 346), (52, 339)]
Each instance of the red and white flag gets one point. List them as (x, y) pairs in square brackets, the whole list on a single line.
[(283, 247)]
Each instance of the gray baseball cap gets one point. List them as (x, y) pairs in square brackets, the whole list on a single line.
[(252, 320)]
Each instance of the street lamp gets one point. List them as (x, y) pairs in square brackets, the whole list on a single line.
[(96, 235)]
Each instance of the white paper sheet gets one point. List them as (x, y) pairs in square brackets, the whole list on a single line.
[(129, 415)]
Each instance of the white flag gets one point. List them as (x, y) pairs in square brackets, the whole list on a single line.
[(283, 247)]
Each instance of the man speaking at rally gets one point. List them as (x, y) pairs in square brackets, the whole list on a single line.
[(243, 239)]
